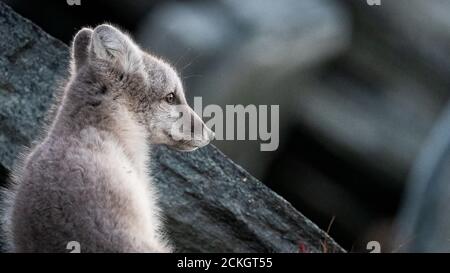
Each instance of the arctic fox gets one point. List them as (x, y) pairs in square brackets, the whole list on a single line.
[(87, 180)]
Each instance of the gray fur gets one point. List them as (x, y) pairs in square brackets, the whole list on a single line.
[(88, 179)]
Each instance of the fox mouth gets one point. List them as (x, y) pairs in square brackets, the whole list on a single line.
[(182, 145), (185, 148)]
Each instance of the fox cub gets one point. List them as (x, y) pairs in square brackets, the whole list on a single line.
[(88, 179)]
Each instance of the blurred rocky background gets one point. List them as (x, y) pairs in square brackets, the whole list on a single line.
[(360, 88)]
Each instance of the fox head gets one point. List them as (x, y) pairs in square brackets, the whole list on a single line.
[(147, 86)]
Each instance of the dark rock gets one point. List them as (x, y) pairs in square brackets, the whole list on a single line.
[(211, 204), (31, 63)]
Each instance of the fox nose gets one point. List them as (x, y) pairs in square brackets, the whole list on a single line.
[(208, 133)]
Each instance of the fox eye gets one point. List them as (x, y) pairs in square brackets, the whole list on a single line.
[(170, 98)]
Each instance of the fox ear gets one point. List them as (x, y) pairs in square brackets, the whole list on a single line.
[(80, 48), (111, 45)]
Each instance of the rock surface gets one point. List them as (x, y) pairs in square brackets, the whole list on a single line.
[(210, 203)]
